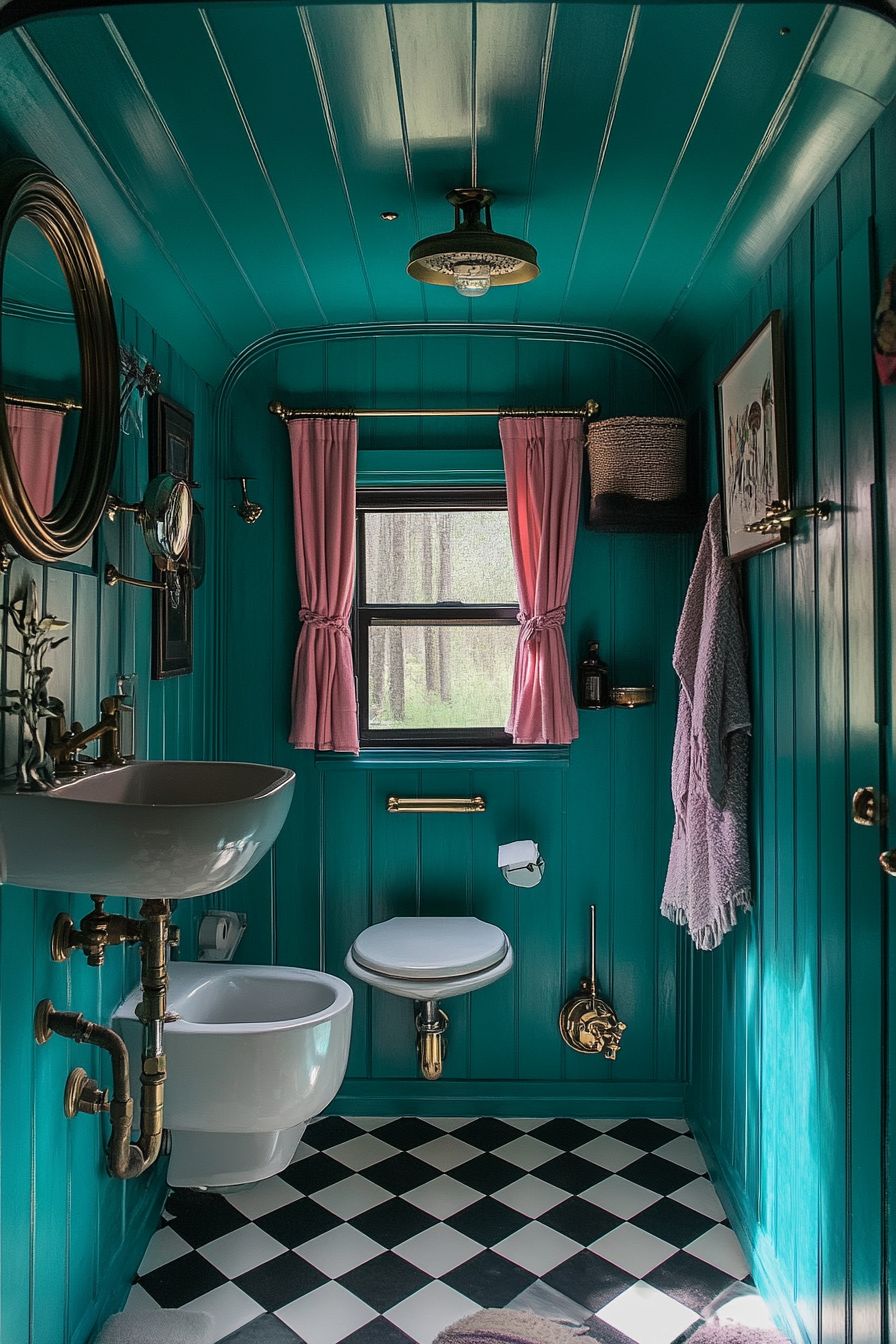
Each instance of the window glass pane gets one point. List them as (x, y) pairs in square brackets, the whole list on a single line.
[(440, 676), (439, 557)]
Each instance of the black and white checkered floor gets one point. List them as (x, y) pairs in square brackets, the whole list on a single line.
[(385, 1231)]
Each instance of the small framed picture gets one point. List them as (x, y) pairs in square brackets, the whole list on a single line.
[(751, 440), (171, 450)]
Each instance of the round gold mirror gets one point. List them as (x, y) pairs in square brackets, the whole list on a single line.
[(50, 270)]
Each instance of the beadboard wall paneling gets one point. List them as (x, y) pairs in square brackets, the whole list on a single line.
[(790, 1014), (72, 1237), (601, 813)]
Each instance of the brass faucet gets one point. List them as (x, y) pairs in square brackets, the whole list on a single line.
[(64, 744)]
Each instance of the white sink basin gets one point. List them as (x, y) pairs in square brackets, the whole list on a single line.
[(167, 829)]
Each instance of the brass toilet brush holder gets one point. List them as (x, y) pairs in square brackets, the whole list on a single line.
[(587, 1022)]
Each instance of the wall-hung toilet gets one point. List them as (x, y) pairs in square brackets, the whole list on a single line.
[(256, 1052), (427, 959)]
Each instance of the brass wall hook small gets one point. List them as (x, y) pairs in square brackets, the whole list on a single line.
[(779, 513), (248, 510), (587, 1022)]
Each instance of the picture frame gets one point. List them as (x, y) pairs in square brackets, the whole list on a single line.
[(751, 440), (171, 450)]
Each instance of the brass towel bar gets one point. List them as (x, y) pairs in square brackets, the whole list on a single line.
[(475, 804), (40, 403), (590, 411)]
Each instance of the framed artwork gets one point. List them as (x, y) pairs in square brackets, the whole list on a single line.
[(751, 440), (171, 450)]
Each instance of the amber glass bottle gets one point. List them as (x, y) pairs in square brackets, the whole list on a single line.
[(594, 680)]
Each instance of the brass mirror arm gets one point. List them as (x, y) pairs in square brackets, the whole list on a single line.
[(114, 506), (779, 513), (113, 576)]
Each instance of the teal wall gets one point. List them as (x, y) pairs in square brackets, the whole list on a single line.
[(600, 811), (71, 1237), (788, 1082)]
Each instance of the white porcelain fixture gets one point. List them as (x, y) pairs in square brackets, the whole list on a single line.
[(162, 829), (430, 958), (256, 1053)]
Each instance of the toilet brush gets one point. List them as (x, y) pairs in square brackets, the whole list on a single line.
[(588, 1023)]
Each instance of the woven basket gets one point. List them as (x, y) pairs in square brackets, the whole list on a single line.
[(641, 456)]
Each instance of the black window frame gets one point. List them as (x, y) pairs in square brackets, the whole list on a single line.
[(418, 499)]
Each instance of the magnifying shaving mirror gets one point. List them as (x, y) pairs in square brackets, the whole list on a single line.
[(59, 408), (166, 517)]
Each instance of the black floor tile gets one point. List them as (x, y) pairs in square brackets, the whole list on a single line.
[(384, 1281), (400, 1173), (298, 1222), (263, 1330), (314, 1173), (690, 1281), (408, 1132), (570, 1173), (392, 1222), (589, 1280), (580, 1220), (487, 1221), (378, 1331), (330, 1130), (646, 1134), (657, 1174), (604, 1334), (487, 1173), (673, 1222), (181, 1280), (487, 1133), (280, 1280), (489, 1279), (199, 1217), (567, 1134)]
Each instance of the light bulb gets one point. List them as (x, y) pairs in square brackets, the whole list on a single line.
[(472, 280)]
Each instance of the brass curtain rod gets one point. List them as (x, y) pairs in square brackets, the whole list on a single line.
[(474, 804), (590, 411), (41, 404)]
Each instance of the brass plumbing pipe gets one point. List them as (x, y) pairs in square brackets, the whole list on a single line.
[(124, 1159)]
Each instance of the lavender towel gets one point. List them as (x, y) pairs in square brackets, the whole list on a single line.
[(709, 866)]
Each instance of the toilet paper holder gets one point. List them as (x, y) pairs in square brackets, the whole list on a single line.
[(219, 934)]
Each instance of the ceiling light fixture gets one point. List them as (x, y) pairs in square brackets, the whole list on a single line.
[(472, 257)]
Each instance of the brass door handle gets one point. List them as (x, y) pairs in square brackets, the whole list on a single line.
[(888, 862)]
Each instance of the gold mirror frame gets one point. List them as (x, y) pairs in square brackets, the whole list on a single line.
[(28, 190)]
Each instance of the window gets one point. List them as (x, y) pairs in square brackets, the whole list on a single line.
[(436, 617)]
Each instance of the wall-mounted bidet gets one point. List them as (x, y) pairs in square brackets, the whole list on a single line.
[(253, 1054), (428, 959)]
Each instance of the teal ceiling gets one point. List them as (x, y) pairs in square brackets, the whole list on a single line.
[(234, 160)]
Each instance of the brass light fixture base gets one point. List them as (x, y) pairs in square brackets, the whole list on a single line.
[(587, 1022)]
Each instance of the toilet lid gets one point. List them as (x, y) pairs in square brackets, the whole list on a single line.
[(427, 949)]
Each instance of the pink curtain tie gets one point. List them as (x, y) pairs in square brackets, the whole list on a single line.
[(316, 618), (533, 625)]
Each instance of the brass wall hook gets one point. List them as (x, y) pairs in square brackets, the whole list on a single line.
[(248, 510), (587, 1022), (780, 513)]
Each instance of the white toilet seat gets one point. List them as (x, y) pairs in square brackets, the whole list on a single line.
[(430, 958)]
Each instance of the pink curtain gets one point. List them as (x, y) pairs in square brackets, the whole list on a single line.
[(324, 458), (36, 434), (543, 466)]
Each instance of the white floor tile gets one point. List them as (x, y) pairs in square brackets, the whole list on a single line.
[(720, 1247), (164, 1247), (369, 1122), (438, 1250), (229, 1307), (530, 1196), (680, 1126), (601, 1123), (527, 1152), (537, 1248), (341, 1249), (701, 1196), (620, 1196), (646, 1315), (547, 1302), (140, 1300), (361, 1152), (446, 1152), (448, 1122), (633, 1249), (304, 1150), (242, 1250), (326, 1315), (350, 1197), (442, 1197), (264, 1197), (610, 1153), (425, 1313), (685, 1151), (525, 1122)]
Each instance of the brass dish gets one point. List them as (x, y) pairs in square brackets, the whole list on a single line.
[(632, 697)]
